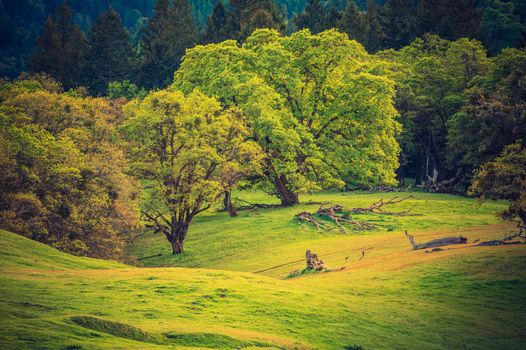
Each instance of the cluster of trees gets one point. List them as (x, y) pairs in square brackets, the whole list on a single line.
[(459, 107), (107, 52), (252, 107), (286, 114), (396, 23), (149, 57), (64, 180)]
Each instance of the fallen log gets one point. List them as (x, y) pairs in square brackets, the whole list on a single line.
[(440, 242), (377, 207), (308, 217), (334, 214)]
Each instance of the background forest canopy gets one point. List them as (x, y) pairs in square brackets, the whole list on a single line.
[(152, 112)]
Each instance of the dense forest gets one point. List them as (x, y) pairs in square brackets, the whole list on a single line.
[(378, 24), (329, 95)]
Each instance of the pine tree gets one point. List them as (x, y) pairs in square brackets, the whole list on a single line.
[(332, 18), (450, 19), (312, 17), (375, 34), (169, 32), (398, 22), (353, 22), (249, 15), (110, 54), (217, 25), (61, 48)]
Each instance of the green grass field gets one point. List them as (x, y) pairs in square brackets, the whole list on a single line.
[(214, 297)]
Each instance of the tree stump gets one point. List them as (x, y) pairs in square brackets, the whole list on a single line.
[(313, 263)]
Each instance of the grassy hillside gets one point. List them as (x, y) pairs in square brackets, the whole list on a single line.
[(259, 239), (463, 297)]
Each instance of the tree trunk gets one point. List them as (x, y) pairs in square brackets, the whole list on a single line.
[(177, 236), (177, 247), (288, 198), (227, 202)]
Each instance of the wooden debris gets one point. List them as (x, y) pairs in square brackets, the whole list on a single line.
[(313, 263), (377, 207), (334, 214), (308, 217), (436, 242)]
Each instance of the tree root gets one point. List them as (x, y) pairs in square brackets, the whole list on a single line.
[(377, 207)]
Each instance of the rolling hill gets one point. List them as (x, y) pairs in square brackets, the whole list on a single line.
[(218, 297)]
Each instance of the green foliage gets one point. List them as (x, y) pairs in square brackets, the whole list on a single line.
[(433, 76), (191, 151), (501, 26), (505, 178), (125, 88), (319, 125), (63, 179)]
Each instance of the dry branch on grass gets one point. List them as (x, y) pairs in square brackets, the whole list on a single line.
[(378, 207), (332, 214), (436, 242)]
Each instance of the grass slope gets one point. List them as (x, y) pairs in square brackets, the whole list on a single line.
[(258, 239), (461, 298)]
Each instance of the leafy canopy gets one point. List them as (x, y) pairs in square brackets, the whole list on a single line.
[(190, 151), (319, 106)]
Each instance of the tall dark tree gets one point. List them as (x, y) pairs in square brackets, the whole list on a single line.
[(110, 54), (312, 17), (61, 48), (375, 33), (354, 23), (249, 15), (218, 26), (450, 19), (169, 32), (332, 18), (398, 21)]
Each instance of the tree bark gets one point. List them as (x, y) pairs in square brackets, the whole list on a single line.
[(288, 198), (177, 247), (227, 202), (177, 235)]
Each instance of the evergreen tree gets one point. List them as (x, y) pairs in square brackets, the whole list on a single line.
[(169, 32), (61, 48), (450, 19), (354, 23), (332, 18), (110, 54), (218, 25), (249, 15), (500, 26), (398, 22), (375, 34), (312, 17)]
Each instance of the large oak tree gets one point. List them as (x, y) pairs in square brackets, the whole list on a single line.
[(319, 106)]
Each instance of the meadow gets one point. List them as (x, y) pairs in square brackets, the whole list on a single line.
[(229, 289)]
